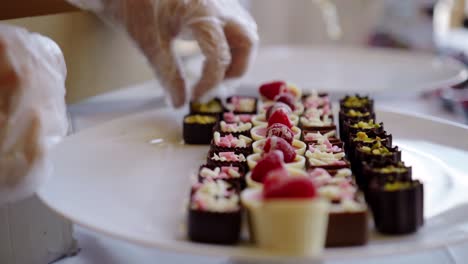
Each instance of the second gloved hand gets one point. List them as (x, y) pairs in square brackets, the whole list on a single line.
[(226, 33)]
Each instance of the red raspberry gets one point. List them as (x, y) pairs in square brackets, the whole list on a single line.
[(288, 99), (280, 116), (272, 89), (277, 143), (281, 131), (277, 186), (277, 106), (269, 162)]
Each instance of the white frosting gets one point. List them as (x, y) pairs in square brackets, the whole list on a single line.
[(317, 121), (214, 196), (218, 173), (236, 127), (237, 157), (343, 173), (242, 104), (231, 141), (318, 136), (318, 158)]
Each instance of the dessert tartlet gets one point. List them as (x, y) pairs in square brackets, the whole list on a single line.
[(227, 159), (299, 146), (242, 104), (230, 143), (397, 206), (353, 116), (314, 137), (235, 176), (272, 90), (197, 129), (214, 213), (384, 170), (235, 128), (287, 216), (352, 128), (260, 119), (263, 131), (299, 161), (326, 160), (230, 117), (357, 102), (317, 123), (316, 100), (212, 107)]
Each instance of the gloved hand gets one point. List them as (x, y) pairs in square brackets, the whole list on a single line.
[(32, 109), (225, 32)]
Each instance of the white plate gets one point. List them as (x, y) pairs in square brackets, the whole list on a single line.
[(346, 69), (129, 179)]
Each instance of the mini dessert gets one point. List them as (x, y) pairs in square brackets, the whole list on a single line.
[(347, 219), (270, 161), (271, 107), (397, 206), (214, 213), (326, 160), (233, 175), (230, 143), (279, 130), (242, 104), (198, 129), (366, 139), (212, 107), (230, 117), (299, 146), (276, 143), (299, 162), (353, 116), (236, 129), (270, 91), (268, 107), (317, 123), (357, 102), (314, 137), (316, 100), (287, 216), (384, 170), (374, 153), (326, 146), (313, 113), (278, 116), (226, 159), (352, 128)]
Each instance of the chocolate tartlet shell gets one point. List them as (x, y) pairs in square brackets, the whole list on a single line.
[(214, 227), (219, 114), (343, 118), (397, 212), (196, 133), (347, 229), (367, 107), (349, 130)]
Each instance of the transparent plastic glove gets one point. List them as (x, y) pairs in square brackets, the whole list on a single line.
[(32, 109), (225, 32)]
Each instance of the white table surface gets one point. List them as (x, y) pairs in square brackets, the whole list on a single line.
[(99, 249)]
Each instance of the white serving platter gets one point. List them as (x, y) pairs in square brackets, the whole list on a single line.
[(129, 178)]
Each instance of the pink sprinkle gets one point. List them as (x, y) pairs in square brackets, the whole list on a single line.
[(230, 156), (245, 118), (229, 117)]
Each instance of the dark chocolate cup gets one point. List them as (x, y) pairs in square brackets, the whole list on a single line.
[(360, 157), (342, 118), (379, 179), (217, 128), (254, 110), (397, 212), (369, 106), (351, 145), (347, 229), (219, 115), (214, 227), (348, 130), (200, 134), (238, 183)]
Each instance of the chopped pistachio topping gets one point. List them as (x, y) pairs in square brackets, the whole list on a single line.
[(396, 186), (212, 106), (363, 137), (366, 125), (391, 169), (355, 101), (354, 113), (376, 149), (200, 119)]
